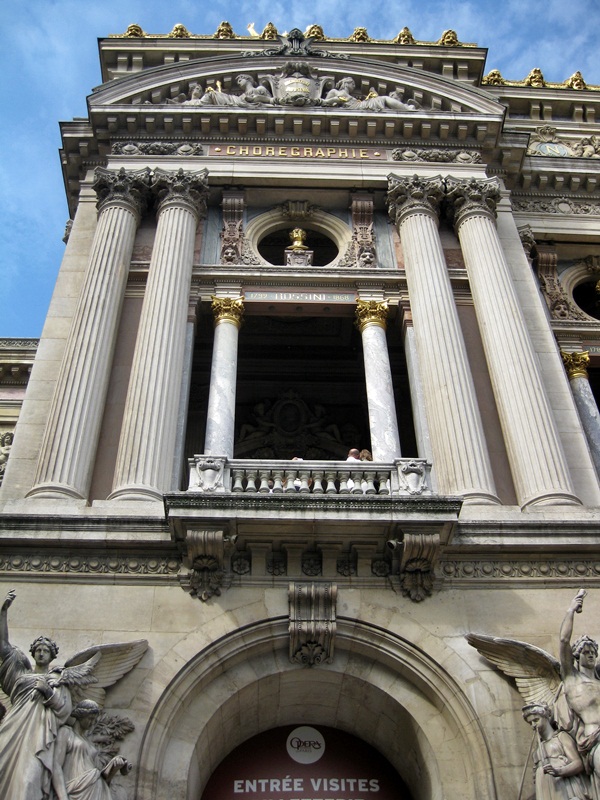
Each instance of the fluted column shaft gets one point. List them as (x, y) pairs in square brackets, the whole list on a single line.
[(69, 445), (576, 366), (220, 423), (460, 457), (538, 464), (144, 468), (383, 424)]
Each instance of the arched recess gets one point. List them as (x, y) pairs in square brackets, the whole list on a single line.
[(379, 687), (319, 220)]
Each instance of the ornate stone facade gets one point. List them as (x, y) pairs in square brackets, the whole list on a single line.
[(317, 396)]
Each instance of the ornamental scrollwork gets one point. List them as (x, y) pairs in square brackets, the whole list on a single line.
[(444, 156), (181, 187), (129, 187), (415, 194), (157, 149)]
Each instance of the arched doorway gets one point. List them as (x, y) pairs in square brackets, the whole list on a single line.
[(380, 688), (305, 761)]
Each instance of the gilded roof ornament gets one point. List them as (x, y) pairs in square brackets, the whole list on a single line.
[(224, 31), (535, 78), (575, 81), (179, 32), (449, 39), (404, 37), (134, 31), (269, 32), (315, 32), (359, 35), (493, 78)]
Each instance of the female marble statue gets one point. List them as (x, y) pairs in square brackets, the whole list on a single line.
[(559, 771), (41, 701), (38, 709), (78, 772)]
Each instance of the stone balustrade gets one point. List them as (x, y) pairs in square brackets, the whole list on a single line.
[(403, 478)]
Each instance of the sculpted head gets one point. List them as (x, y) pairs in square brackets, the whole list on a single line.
[(86, 713), (585, 651), (43, 650), (347, 84), (538, 715)]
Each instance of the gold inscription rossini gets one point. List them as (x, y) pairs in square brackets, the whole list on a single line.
[(288, 151), (371, 312), (228, 309), (576, 363)]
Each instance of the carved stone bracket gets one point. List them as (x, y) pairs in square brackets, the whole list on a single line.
[(419, 555), (362, 248), (206, 572), (312, 622), (232, 236), (558, 301)]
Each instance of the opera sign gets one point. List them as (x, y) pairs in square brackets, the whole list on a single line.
[(305, 763)]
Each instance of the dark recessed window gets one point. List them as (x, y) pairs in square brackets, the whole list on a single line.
[(273, 245)]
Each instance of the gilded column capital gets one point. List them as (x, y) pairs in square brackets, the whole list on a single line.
[(128, 188), (416, 195), (472, 197), (228, 309), (576, 363), (371, 312), (184, 189)]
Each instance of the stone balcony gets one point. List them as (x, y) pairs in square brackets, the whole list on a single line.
[(253, 521)]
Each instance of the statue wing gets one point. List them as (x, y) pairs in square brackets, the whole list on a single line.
[(113, 662), (536, 672), (78, 675)]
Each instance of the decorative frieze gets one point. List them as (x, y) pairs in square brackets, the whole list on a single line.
[(312, 624), (410, 155), (555, 205), (157, 148)]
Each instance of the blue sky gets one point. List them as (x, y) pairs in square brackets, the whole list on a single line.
[(49, 63)]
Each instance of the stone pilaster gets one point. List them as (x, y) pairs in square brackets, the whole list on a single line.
[(144, 467), (460, 458), (535, 453), (371, 322), (69, 445), (228, 313), (576, 366)]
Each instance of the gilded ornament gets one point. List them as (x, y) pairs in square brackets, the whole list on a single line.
[(228, 309), (315, 32), (298, 237), (576, 363), (371, 312), (493, 78), (359, 35), (404, 37), (134, 31), (224, 31), (269, 32), (449, 39), (535, 78), (575, 81), (179, 32)]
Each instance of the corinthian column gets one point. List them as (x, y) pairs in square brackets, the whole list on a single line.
[(371, 322), (144, 467), (69, 445), (576, 366), (460, 457), (228, 313), (535, 453)]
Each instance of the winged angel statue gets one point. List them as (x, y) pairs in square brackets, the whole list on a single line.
[(40, 700), (562, 705)]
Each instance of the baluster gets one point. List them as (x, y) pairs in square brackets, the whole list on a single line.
[(370, 483), (331, 487), (290, 476), (356, 477), (305, 481), (344, 475), (277, 481), (251, 476), (238, 477), (317, 482), (384, 482), (264, 481)]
